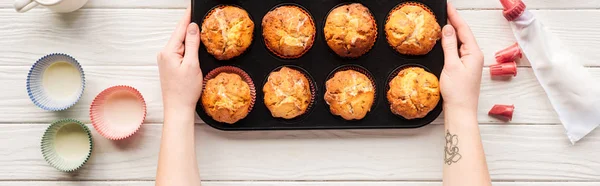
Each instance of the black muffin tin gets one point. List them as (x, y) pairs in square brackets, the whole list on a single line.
[(320, 61)]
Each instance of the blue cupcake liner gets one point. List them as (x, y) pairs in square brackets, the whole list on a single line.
[(49, 149), (35, 88)]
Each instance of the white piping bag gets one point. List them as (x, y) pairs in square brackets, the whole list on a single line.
[(572, 91)]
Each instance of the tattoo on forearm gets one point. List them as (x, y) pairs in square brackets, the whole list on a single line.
[(451, 154)]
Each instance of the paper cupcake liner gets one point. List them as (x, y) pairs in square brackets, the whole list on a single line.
[(102, 124), (35, 88), (235, 70), (361, 70), (312, 42), (375, 26), (311, 82), (212, 10), (413, 3), (53, 157)]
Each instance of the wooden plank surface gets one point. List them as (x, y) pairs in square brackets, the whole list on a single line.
[(461, 4), (513, 152), (132, 37), (283, 183)]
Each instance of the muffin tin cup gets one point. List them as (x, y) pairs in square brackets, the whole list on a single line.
[(235, 70), (49, 149), (374, 40), (361, 70), (313, 93), (107, 126), (35, 86), (397, 7), (312, 42)]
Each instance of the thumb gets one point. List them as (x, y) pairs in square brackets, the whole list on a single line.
[(192, 43), (450, 45)]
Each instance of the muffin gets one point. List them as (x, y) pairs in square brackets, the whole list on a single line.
[(227, 98), (227, 32), (289, 31), (411, 28), (413, 93), (350, 30), (287, 93), (350, 94)]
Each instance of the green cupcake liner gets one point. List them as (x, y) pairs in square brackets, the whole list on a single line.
[(51, 151)]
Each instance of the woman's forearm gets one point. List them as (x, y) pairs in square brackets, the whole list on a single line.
[(464, 158), (177, 163)]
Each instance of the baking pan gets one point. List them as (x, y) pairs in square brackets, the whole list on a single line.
[(382, 61)]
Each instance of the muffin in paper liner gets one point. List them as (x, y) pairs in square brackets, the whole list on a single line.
[(213, 39), (270, 30), (55, 82), (232, 116), (311, 87), (424, 45), (366, 38), (67, 145), (424, 97), (118, 112), (340, 111)]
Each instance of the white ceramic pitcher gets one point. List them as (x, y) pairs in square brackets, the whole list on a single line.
[(54, 5)]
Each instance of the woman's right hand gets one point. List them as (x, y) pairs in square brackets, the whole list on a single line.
[(179, 68), (461, 77)]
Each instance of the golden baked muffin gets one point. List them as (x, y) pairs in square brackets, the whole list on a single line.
[(287, 93), (350, 30), (289, 31), (226, 98), (350, 94), (412, 29), (413, 93), (227, 32)]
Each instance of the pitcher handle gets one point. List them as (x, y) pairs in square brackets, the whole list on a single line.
[(24, 5)]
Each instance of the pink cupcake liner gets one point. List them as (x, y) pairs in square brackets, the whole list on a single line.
[(106, 117)]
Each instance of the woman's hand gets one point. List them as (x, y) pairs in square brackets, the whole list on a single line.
[(461, 77), (179, 68)]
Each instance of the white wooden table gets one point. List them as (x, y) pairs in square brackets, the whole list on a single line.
[(116, 42)]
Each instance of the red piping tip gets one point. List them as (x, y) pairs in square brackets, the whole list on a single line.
[(512, 8), (509, 54), (508, 3), (504, 69), (504, 112)]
